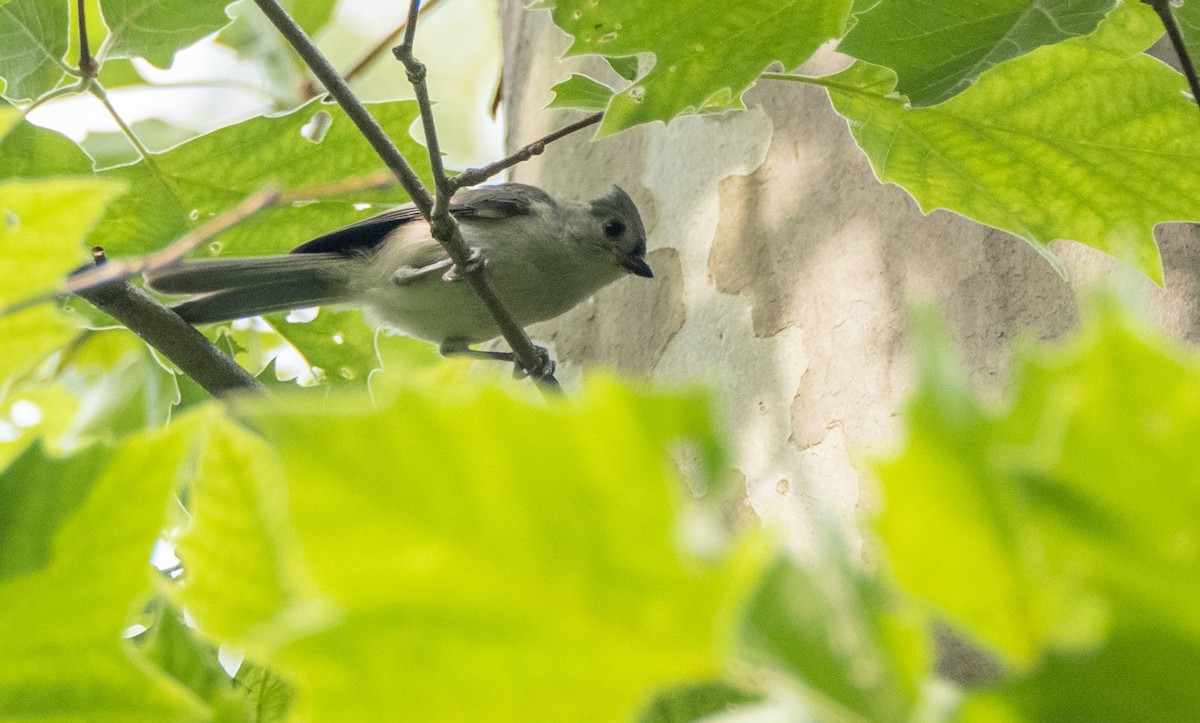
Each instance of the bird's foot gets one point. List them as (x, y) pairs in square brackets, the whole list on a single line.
[(474, 263)]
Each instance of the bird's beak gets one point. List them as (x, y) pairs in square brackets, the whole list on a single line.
[(637, 266)]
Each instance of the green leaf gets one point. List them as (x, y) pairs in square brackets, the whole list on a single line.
[(237, 503), (1072, 512), (60, 627), (626, 67), (706, 56), (38, 493), (42, 224), (697, 702), (33, 42), (833, 630), (311, 15), (29, 151), (500, 546), (268, 695), (938, 49), (155, 29), (341, 344), (580, 91), (1001, 153), (213, 172), (1187, 17), (174, 647)]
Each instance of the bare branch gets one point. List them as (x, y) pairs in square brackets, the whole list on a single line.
[(176, 339), (444, 229), (475, 176)]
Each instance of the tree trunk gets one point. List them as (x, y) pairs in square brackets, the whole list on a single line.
[(784, 273)]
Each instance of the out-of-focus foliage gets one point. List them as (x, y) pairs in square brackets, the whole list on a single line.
[(1058, 532), (399, 537)]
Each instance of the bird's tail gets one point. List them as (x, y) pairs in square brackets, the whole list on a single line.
[(236, 288)]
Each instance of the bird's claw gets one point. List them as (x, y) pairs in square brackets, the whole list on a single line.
[(545, 367), (474, 263)]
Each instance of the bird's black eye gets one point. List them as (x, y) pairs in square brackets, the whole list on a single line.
[(614, 228)]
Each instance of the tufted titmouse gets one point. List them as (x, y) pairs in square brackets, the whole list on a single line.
[(543, 257)]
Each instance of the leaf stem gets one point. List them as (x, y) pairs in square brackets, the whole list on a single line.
[(88, 67)]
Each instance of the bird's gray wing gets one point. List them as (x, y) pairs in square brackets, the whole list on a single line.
[(502, 201)]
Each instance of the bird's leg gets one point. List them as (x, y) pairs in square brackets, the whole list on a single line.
[(475, 261), (458, 347)]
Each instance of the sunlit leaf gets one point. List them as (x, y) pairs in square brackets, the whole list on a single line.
[(937, 49), (486, 566), (1087, 140), (829, 627), (42, 225), (237, 502), (706, 56), (60, 627), (1070, 513), (201, 178), (580, 91), (155, 29), (339, 343), (33, 41)]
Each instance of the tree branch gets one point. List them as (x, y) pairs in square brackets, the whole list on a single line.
[(88, 67), (475, 176), (1163, 8), (368, 59), (446, 230), (176, 339)]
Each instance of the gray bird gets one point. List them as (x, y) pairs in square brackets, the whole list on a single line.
[(542, 257)]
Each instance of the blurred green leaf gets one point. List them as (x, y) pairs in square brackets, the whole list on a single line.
[(580, 91), (706, 56), (1072, 513), (341, 344), (38, 493), (697, 702), (155, 29), (33, 42), (213, 172), (1002, 154), (312, 15), (1142, 674), (42, 224), (237, 502), (60, 627), (831, 628), (938, 49), (174, 647), (268, 695), (487, 565)]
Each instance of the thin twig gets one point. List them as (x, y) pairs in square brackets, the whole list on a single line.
[(475, 176), (446, 234), (169, 334), (120, 270), (1163, 8), (88, 67), (368, 59)]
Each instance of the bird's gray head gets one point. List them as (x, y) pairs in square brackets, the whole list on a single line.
[(620, 230)]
